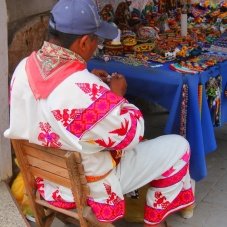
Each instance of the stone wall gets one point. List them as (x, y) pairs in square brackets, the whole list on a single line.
[(27, 38), (23, 25), (5, 154), (27, 25)]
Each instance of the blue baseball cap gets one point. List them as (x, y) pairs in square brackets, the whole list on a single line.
[(80, 17)]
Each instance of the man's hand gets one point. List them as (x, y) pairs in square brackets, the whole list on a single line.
[(118, 84), (102, 74)]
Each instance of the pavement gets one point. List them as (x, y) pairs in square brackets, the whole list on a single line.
[(9, 212)]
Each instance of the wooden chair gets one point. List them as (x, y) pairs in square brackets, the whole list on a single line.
[(61, 167)]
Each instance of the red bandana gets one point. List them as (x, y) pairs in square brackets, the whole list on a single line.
[(47, 68)]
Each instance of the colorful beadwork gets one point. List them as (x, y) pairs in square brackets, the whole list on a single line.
[(184, 107), (200, 98), (213, 92)]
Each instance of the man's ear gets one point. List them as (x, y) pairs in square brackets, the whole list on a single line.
[(84, 42)]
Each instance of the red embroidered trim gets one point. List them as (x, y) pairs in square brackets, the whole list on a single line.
[(160, 200), (66, 116), (155, 216), (93, 90), (94, 113), (166, 182), (48, 138), (106, 212), (40, 84), (113, 197), (63, 205), (59, 203), (129, 136)]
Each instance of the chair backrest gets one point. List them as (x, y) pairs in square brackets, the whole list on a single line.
[(58, 166)]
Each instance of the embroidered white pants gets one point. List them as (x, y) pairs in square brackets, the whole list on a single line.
[(162, 162)]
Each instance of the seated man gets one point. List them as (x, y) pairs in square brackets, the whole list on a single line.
[(56, 102)]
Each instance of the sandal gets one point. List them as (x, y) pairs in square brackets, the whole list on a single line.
[(166, 225)]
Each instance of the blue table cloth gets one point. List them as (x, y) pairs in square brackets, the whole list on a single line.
[(163, 86)]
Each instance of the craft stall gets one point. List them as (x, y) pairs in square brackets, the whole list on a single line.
[(173, 53)]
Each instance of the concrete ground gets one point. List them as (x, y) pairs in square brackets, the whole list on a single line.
[(211, 192), (9, 214)]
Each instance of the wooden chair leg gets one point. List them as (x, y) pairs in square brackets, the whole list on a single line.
[(67, 220), (49, 219)]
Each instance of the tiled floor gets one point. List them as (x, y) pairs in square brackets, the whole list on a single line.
[(211, 193)]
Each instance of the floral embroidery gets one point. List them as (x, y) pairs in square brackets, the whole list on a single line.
[(40, 185), (122, 130), (94, 113), (129, 136), (63, 205), (140, 138), (101, 142), (186, 157), (155, 216), (136, 113), (56, 196), (107, 213), (93, 90), (66, 115), (51, 57), (113, 198), (168, 172), (160, 201), (48, 138)]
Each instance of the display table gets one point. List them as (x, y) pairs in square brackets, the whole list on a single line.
[(164, 87)]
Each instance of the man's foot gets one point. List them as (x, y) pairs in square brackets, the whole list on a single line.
[(187, 212)]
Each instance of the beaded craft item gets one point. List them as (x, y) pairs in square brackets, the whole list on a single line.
[(200, 98), (184, 109), (213, 92)]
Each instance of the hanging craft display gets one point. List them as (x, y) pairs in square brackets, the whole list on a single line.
[(200, 98), (213, 92), (183, 113)]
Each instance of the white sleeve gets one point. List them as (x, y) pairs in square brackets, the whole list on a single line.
[(121, 128)]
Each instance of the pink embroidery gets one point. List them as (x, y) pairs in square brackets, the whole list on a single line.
[(66, 116), (57, 197), (102, 143), (129, 136), (162, 183), (136, 113), (168, 172), (155, 216), (48, 138), (107, 213), (160, 201), (94, 113), (93, 90), (186, 157), (113, 198), (103, 211), (63, 205), (40, 185), (122, 130)]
